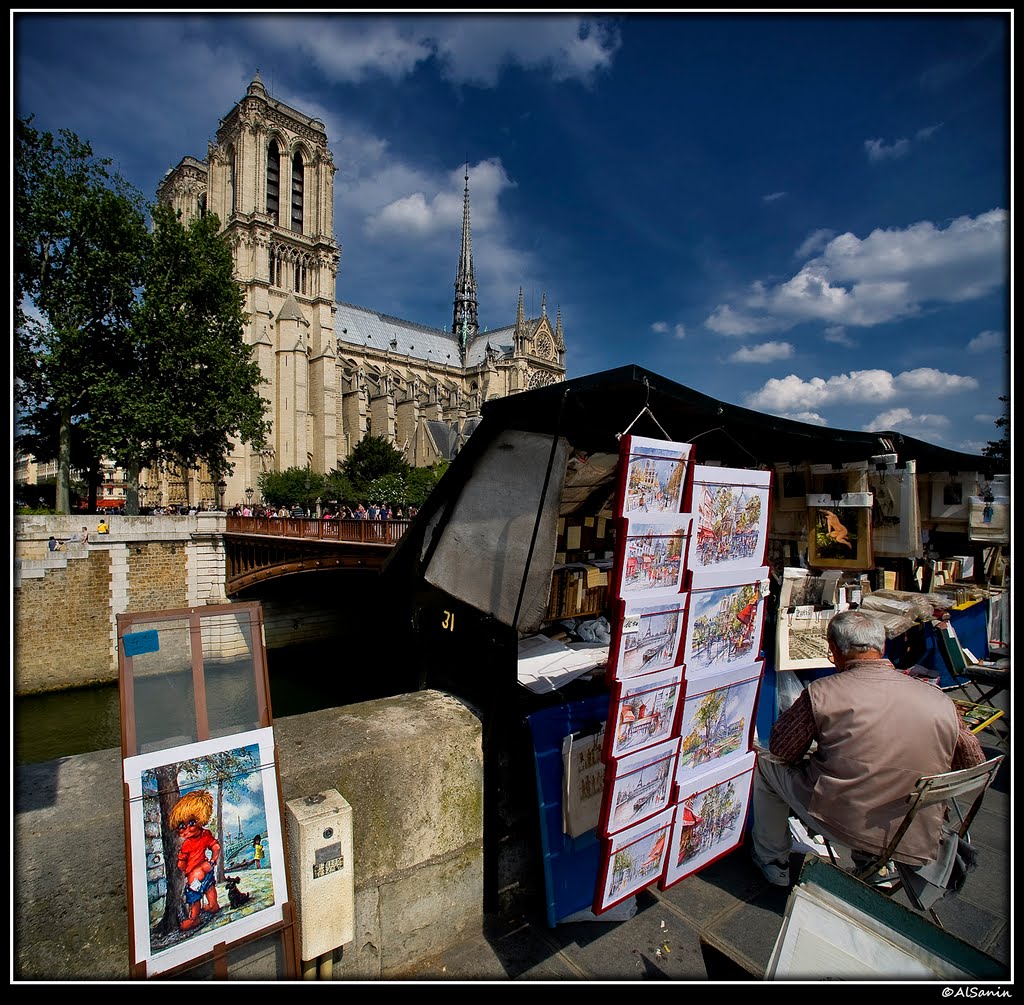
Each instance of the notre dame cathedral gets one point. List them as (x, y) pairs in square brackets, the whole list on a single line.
[(336, 372)]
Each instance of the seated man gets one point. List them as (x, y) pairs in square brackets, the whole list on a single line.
[(876, 732)]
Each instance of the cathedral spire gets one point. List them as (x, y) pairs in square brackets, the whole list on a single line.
[(464, 318)]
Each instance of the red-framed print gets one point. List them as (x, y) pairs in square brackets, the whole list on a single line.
[(730, 509), (643, 712), (709, 819), (653, 476), (646, 636), (725, 620), (638, 786), (716, 722), (632, 859), (651, 556)]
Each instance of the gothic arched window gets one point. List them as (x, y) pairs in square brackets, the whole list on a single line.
[(298, 184), (273, 180)]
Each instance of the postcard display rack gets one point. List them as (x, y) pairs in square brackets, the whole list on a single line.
[(206, 868), (684, 666)]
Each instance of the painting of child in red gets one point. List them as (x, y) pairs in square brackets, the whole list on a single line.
[(198, 856)]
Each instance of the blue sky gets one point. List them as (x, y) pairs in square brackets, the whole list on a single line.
[(803, 214)]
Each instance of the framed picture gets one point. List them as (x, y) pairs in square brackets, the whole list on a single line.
[(801, 640), (206, 853), (730, 518), (653, 476), (631, 860), (792, 483), (840, 537), (652, 556), (583, 782), (647, 637), (895, 511), (716, 724), (643, 712), (640, 785), (725, 620), (709, 819), (949, 492)]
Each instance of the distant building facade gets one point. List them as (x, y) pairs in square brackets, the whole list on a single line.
[(337, 372)]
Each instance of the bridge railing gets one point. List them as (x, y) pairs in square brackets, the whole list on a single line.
[(385, 532)]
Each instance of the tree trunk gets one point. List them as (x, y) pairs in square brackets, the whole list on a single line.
[(62, 499), (131, 494)]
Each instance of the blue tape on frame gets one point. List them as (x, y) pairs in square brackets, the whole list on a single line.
[(138, 643)]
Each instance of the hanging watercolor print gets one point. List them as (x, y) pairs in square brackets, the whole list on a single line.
[(206, 849), (652, 556), (725, 620), (641, 785), (644, 711), (646, 637), (716, 724), (709, 819), (632, 859), (654, 475), (730, 518)]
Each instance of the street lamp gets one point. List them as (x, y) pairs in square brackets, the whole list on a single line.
[(248, 494)]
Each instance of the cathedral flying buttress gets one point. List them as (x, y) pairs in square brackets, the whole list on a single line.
[(335, 371)]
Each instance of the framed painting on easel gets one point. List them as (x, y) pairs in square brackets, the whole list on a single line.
[(206, 847), (206, 869)]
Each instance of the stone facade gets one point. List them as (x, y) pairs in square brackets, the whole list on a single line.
[(337, 372)]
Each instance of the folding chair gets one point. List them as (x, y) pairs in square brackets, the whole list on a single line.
[(928, 790), (988, 680)]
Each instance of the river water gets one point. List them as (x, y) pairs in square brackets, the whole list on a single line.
[(303, 678)]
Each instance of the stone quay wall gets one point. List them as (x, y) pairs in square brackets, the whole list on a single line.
[(411, 768), (66, 602)]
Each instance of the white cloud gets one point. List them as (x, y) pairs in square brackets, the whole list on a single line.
[(905, 420), (836, 334), (928, 131), (767, 352), (879, 151), (773, 196), (986, 341), (860, 387), (677, 330), (982, 417), (470, 50), (814, 242), (888, 275), (812, 417)]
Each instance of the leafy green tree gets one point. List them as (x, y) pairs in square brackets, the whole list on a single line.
[(999, 450), (338, 488), (372, 457), (420, 482), (293, 485), (191, 384), (134, 336), (79, 246), (387, 489)]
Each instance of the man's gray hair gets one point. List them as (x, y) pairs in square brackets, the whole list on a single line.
[(854, 631)]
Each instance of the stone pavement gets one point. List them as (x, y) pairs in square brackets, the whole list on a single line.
[(722, 923)]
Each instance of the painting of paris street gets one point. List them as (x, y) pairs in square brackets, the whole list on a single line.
[(725, 620), (716, 722), (633, 859), (655, 475), (653, 556), (641, 786), (649, 638), (730, 508), (644, 712), (709, 820)]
